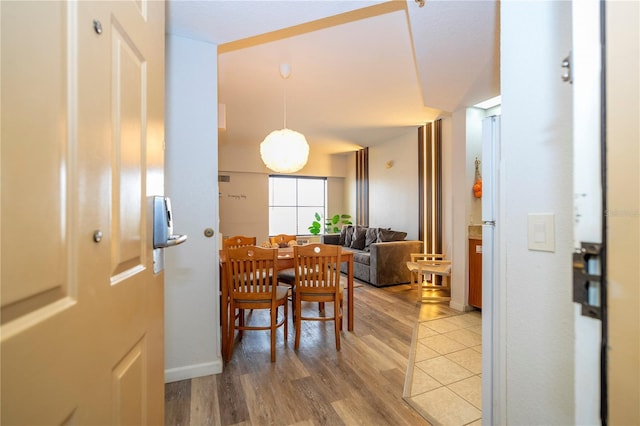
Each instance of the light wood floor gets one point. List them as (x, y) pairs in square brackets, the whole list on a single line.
[(361, 384)]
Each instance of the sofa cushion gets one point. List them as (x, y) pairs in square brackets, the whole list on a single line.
[(359, 236), (384, 265), (348, 236), (371, 237), (385, 235), (361, 271), (362, 257), (343, 234)]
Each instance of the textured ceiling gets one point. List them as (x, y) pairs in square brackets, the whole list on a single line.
[(457, 46), (362, 72)]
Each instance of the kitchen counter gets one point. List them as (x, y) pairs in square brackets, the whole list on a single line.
[(474, 232)]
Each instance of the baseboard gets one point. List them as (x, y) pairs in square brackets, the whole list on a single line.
[(193, 371), (460, 306)]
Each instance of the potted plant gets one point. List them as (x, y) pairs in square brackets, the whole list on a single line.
[(331, 224)]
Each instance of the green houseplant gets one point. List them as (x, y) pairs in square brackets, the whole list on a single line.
[(331, 224)]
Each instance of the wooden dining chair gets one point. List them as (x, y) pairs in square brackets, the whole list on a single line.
[(431, 265), (317, 272), (285, 276), (238, 241), (282, 239), (252, 284)]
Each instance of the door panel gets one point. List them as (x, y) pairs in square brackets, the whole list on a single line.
[(129, 389), (39, 283), (128, 77), (82, 126), (623, 210), (36, 217)]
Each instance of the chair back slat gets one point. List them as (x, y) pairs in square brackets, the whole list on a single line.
[(238, 241), (251, 271), (317, 271), (426, 256), (251, 283), (282, 239), (317, 268)]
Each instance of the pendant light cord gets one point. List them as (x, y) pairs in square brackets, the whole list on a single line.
[(284, 92), (285, 72)]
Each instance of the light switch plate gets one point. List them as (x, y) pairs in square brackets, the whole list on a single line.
[(541, 231)]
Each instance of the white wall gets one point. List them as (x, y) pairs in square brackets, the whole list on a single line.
[(246, 158), (244, 202), (393, 191), (447, 188), (336, 197), (459, 212), (474, 150), (537, 167), (244, 205), (192, 324), (350, 184)]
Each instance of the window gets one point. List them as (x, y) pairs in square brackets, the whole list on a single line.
[(293, 202)]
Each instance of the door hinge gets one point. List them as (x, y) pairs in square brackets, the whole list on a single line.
[(567, 75), (587, 279)]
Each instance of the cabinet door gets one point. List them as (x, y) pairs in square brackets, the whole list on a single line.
[(475, 273)]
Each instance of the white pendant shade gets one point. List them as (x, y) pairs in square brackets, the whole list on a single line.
[(284, 151)]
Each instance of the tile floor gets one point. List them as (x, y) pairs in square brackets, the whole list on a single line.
[(444, 376)]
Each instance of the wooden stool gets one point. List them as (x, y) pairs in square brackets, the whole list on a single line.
[(432, 264)]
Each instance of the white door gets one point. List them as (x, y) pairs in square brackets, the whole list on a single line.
[(611, 394), (587, 198), (493, 297), (82, 150)]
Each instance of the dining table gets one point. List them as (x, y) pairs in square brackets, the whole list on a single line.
[(285, 261)]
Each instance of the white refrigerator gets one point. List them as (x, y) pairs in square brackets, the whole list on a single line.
[(490, 182), (491, 335)]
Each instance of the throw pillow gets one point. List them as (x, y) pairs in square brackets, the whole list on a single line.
[(371, 237), (343, 234), (359, 236), (385, 235), (348, 236)]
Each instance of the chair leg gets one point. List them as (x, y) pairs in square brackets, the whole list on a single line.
[(241, 323), (337, 321), (232, 332), (286, 320), (274, 320), (298, 321)]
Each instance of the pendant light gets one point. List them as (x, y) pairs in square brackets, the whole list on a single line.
[(284, 150)]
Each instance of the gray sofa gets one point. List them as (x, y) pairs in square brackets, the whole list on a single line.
[(376, 261)]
